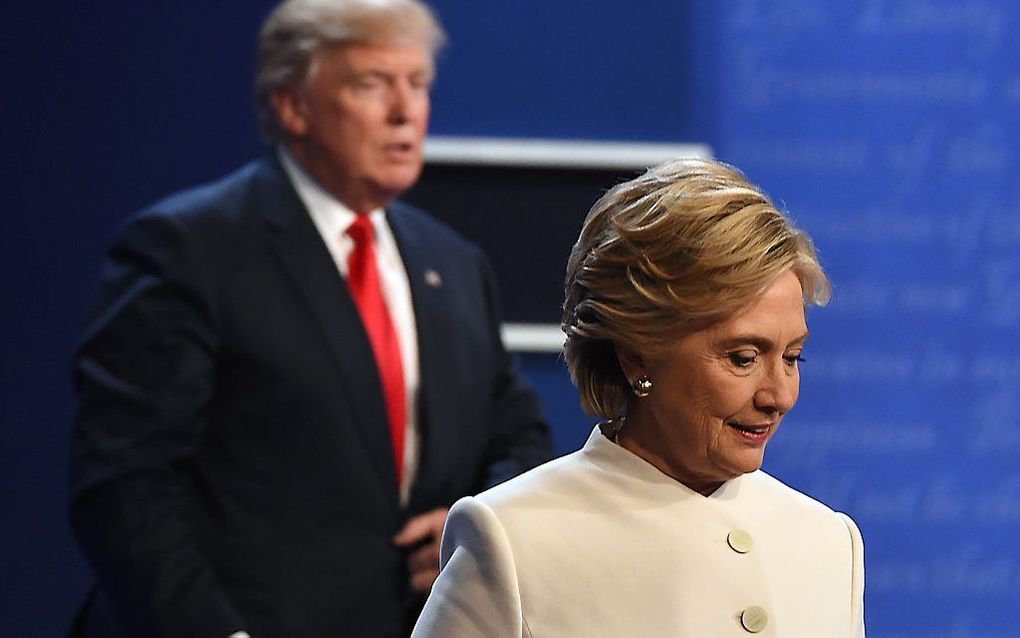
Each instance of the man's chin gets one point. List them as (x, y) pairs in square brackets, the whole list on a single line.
[(397, 182)]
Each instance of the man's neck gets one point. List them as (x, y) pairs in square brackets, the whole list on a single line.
[(360, 200)]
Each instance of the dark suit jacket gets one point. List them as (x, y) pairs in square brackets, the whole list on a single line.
[(231, 466)]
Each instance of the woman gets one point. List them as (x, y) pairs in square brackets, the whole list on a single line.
[(684, 315)]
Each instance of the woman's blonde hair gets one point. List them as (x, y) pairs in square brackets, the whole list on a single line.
[(685, 244)]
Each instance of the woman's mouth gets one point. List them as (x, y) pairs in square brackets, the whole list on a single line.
[(752, 433)]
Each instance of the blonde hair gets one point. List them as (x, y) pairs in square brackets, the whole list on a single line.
[(297, 29), (688, 242)]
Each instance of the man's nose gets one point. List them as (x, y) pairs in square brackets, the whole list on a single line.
[(404, 102)]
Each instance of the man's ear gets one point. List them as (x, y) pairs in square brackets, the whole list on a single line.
[(631, 363), (290, 112)]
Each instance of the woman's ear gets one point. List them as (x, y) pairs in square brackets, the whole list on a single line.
[(631, 363)]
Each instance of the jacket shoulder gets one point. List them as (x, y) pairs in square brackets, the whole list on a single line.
[(200, 237), (414, 219), (780, 493), (774, 499), (554, 483), (221, 200), (208, 221)]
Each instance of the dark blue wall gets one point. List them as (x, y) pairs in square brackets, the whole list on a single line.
[(887, 127)]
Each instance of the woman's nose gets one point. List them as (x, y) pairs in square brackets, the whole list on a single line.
[(778, 391)]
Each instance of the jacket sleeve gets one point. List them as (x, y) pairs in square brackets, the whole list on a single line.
[(857, 584), (476, 593), (519, 435), (144, 375)]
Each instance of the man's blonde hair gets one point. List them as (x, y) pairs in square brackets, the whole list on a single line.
[(297, 29)]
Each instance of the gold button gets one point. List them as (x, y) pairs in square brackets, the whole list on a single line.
[(754, 619), (740, 541)]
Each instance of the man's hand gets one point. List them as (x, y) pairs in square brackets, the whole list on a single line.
[(421, 535)]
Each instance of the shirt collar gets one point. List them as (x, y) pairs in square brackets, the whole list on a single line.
[(328, 212)]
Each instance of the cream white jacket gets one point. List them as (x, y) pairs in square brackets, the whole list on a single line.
[(601, 543)]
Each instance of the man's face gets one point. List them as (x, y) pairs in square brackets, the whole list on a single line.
[(358, 122)]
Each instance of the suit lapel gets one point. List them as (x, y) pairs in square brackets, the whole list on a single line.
[(296, 242), (437, 415)]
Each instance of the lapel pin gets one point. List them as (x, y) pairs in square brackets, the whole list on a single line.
[(433, 279)]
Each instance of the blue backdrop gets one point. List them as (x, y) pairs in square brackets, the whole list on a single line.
[(886, 127)]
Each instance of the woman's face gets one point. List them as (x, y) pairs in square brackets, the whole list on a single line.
[(720, 392)]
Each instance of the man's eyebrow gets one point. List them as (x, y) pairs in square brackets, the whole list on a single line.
[(363, 73), (384, 74)]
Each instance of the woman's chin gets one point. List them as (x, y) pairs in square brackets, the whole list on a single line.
[(747, 460)]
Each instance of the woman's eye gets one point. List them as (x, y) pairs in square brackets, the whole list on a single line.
[(743, 358), (794, 359)]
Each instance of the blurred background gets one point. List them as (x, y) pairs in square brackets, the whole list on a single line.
[(887, 128)]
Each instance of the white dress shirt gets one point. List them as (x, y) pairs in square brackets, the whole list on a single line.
[(332, 218)]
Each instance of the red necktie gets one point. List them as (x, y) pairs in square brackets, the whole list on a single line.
[(364, 284)]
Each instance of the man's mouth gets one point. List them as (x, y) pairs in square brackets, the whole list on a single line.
[(399, 147)]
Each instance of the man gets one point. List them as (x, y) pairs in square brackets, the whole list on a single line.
[(288, 376)]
